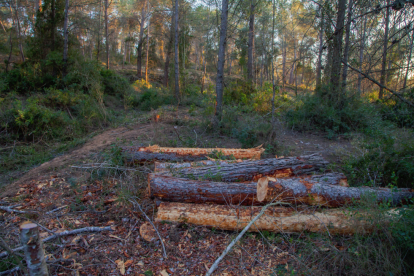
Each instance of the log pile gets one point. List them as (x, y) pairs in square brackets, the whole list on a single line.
[(155, 152), (228, 194)]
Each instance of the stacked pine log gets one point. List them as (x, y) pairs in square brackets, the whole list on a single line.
[(228, 194)]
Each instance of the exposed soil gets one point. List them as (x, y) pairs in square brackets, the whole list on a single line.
[(100, 202)]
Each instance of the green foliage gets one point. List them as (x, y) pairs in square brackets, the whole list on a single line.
[(319, 112), (397, 111), (385, 161), (146, 97), (402, 230)]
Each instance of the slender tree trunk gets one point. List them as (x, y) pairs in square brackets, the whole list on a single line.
[(283, 63), (176, 65), (384, 53), (203, 79), (99, 31), (291, 80), (169, 52), (250, 48), (319, 66), (140, 42), (220, 63), (17, 25), (106, 34), (408, 61), (337, 51), (10, 53), (148, 33), (273, 73), (361, 55), (346, 50), (65, 34)]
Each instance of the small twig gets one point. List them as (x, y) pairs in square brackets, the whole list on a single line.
[(8, 209), (134, 202), (64, 233), (10, 271), (227, 250), (175, 129), (57, 209), (10, 251)]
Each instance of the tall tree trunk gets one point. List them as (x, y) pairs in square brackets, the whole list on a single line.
[(361, 54), (346, 50), (408, 61), (273, 134), (319, 66), (106, 34), (220, 62), (176, 65), (99, 31), (169, 52), (147, 57), (384, 52), (337, 51), (250, 49), (17, 25), (65, 43), (291, 80), (11, 51), (203, 79), (140, 41)]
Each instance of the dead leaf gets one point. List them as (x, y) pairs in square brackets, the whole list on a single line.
[(164, 273), (262, 188), (121, 266), (128, 263)]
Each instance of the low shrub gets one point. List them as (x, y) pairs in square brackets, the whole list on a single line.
[(397, 111), (319, 112)]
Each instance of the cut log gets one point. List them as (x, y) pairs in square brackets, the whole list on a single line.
[(163, 166), (152, 153), (253, 170), (274, 219), (310, 190)]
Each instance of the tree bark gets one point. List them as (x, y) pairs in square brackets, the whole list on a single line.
[(274, 219), (147, 55), (346, 50), (140, 42), (65, 43), (169, 52), (220, 63), (337, 51), (106, 34), (384, 52), (165, 166), (33, 249), (319, 64), (253, 170), (138, 154), (99, 31), (176, 57), (361, 55), (250, 48), (408, 61), (19, 38), (318, 190)]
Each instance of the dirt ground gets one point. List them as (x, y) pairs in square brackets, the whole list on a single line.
[(65, 198)]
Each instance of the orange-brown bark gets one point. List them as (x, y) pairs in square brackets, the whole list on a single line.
[(139, 154), (314, 190), (275, 219)]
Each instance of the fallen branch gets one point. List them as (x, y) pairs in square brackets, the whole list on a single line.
[(64, 233), (134, 202), (9, 209), (10, 271), (101, 166), (398, 95), (230, 246)]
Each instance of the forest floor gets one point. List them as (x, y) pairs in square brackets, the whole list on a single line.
[(101, 197)]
